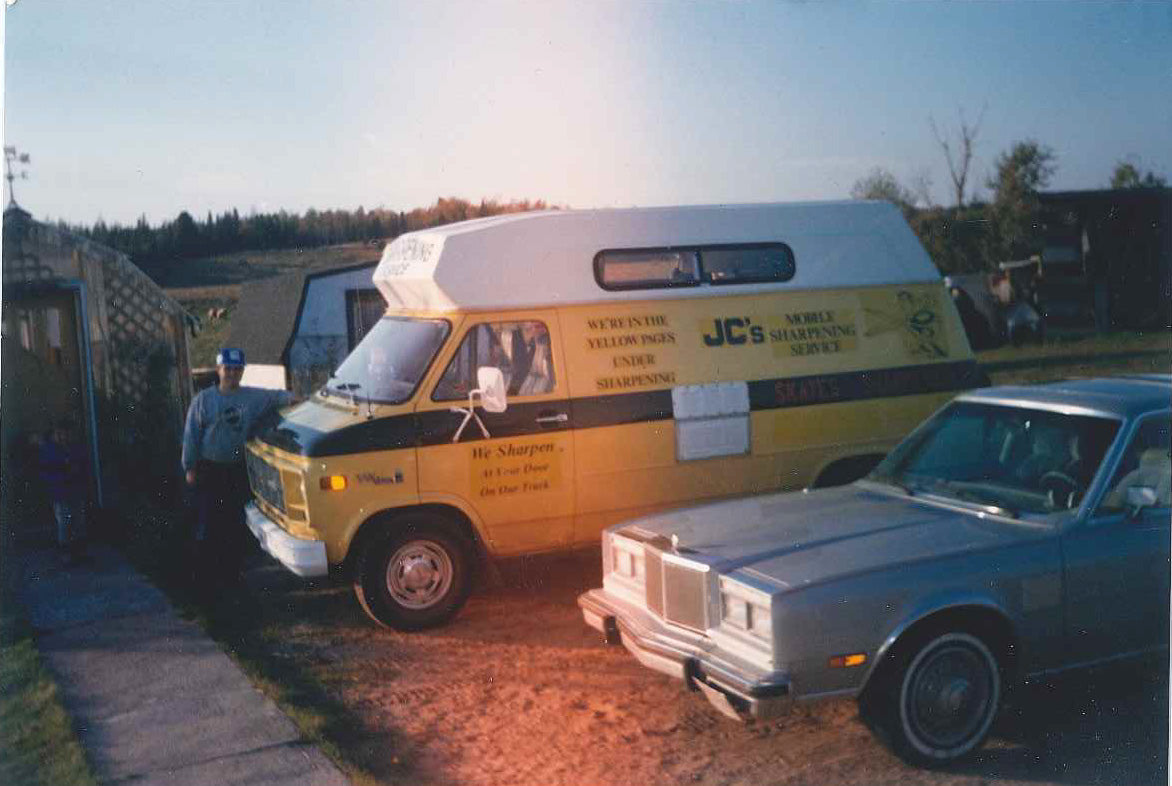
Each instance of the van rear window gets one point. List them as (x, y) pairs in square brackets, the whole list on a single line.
[(650, 268)]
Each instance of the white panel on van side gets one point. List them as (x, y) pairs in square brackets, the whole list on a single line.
[(711, 420)]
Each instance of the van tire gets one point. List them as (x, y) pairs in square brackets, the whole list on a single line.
[(415, 574), (935, 703)]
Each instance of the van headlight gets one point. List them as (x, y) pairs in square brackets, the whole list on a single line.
[(624, 559), (743, 608)]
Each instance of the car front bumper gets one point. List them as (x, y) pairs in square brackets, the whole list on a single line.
[(306, 558), (737, 689)]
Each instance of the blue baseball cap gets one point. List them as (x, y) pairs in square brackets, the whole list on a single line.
[(230, 356)]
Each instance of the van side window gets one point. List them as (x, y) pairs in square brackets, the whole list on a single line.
[(745, 264), (521, 350), (650, 268), (646, 269)]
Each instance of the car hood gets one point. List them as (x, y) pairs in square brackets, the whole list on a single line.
[(798, 539)]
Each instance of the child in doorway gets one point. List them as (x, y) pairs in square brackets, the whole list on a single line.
[(64, 471)]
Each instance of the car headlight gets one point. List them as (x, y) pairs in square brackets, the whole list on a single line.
[(746, 609), (624, 559)]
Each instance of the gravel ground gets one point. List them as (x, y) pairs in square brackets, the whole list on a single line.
[(518, 690)]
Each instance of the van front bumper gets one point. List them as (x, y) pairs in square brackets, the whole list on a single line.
[(738, 691), (306, 558)]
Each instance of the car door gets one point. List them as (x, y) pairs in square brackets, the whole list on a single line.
[(514, 469), (1116, 563)]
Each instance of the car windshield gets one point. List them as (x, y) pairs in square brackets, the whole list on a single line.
[(388, 363), (1013, 458)]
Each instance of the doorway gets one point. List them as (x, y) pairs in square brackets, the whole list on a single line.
[(46, 378)]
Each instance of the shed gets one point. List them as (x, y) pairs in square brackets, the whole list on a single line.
[(295, 329), (89, 337), (1107, 256)]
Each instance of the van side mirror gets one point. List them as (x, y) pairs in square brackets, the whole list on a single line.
[(1140, 497), (490, 382), (492, 394)]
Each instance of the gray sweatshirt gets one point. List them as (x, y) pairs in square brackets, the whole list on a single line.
[(219, 423)]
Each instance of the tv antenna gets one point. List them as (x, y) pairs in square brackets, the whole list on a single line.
[(15, 167)]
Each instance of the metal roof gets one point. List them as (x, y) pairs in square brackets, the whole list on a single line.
[(266, 316), (1124, 396)]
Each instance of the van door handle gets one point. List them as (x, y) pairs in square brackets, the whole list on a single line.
[(560, 417)]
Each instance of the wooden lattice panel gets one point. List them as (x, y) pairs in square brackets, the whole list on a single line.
[(137, 312), (21, 262)]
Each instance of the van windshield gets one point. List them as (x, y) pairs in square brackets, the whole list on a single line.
[(389, 362)]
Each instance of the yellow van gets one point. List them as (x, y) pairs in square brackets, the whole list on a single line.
[(538, 377)]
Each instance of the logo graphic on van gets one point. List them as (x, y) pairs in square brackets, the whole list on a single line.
[(734, 331), (916, 316), (380, 480)]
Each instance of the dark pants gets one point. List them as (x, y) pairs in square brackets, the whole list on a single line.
[(221, 536)]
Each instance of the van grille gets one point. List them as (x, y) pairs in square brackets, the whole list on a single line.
[(676, 590), (265, 480)]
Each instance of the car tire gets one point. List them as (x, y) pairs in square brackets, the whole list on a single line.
[(936, 702), (416, 574)]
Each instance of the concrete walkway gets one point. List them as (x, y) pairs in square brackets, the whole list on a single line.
[(153, 698)]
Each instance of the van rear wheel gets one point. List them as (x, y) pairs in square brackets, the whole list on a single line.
[(415, 575)]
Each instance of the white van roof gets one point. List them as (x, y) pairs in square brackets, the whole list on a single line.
[(546, 258)]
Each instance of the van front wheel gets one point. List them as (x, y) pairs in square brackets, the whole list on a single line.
[(414, 576)]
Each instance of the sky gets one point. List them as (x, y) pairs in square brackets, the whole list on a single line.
[(134, 108)]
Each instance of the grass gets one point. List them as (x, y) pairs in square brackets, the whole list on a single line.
[(214, 333), (1079, 354), (38, 746), (241, 266)]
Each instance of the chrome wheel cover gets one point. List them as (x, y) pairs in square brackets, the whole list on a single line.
[(419, 574), (950, 696)]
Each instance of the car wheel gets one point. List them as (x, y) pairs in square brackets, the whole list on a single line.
[(937, 704), (416, 575)]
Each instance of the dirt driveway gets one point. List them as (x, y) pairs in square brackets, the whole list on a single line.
[(519, 691)]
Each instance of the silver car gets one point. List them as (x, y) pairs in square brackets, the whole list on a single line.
[(1018, 532)]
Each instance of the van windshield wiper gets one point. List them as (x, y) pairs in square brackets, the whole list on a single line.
[(351, 388)]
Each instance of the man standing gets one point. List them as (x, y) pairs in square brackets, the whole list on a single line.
[(219, 422)]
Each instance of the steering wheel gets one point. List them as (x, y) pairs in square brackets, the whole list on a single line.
[(1059, 487)]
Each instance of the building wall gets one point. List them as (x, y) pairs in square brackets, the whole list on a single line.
[(325, 302), (137, 352), (320, 340)]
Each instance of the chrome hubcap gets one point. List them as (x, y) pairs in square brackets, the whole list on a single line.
[(419, 574), (948, 701)]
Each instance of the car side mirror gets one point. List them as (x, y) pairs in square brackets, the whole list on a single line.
[(1140, 497), (490, 383)]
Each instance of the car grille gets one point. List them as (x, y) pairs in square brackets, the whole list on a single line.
[(266, 481), (676, 589)]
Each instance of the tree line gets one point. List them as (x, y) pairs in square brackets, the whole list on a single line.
[(186, 237), (976, 235)]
